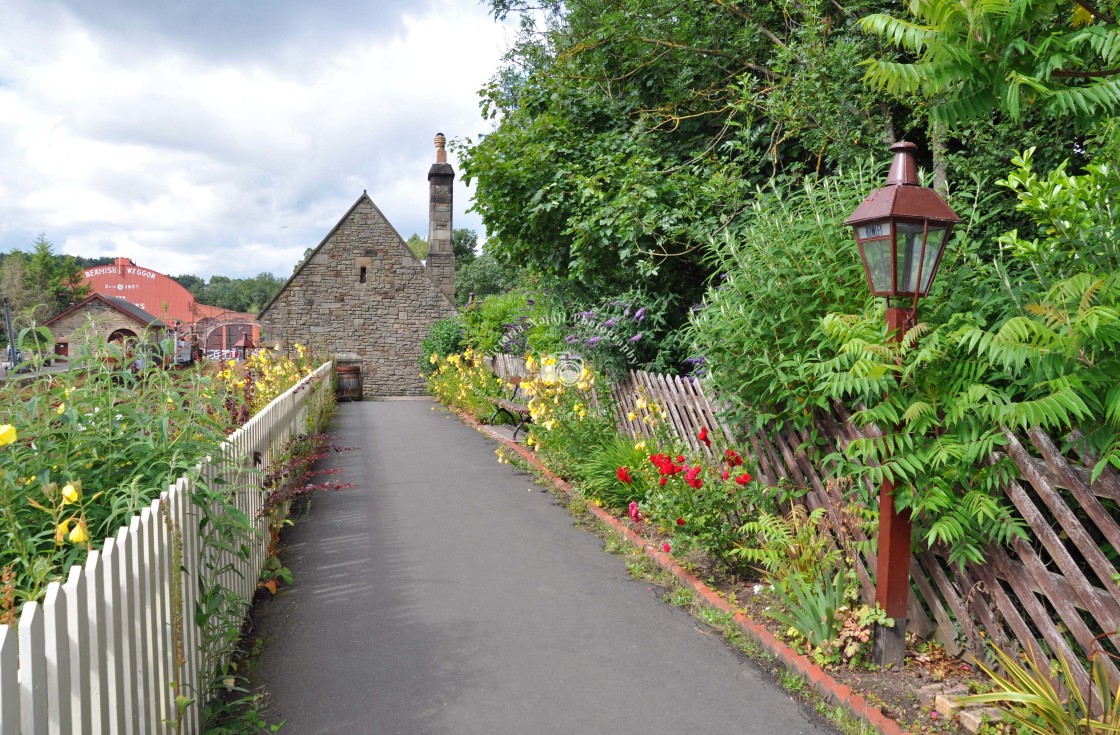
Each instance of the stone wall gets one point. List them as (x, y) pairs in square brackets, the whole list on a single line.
[(378, 323), (101, 319)]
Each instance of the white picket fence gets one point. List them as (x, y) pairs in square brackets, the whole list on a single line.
[(109, 650)]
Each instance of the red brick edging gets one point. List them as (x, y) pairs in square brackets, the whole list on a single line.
[(832, 690)]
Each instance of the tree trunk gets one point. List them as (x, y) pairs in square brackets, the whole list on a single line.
[(939, 150)]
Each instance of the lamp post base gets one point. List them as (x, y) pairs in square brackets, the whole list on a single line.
[(888, 646)]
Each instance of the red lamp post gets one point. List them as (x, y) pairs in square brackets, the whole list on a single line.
[(901, 229)]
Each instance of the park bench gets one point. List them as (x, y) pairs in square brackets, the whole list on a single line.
[(512, 405)]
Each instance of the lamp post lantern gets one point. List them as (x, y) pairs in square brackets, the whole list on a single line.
[(901, 229)]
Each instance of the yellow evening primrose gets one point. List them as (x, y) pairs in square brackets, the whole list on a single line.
[(640, 446), (7, 434), (631, 416), (61, 531), (70, 494), (61, 408), (79, 534)]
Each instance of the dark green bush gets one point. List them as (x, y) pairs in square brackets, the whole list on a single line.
[(444, 338)]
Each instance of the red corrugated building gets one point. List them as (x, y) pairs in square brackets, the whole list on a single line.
[(166, 298)]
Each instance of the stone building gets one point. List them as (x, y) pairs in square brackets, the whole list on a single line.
[(364, 298), (109, 317)]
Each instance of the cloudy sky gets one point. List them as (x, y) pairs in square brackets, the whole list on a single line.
[(227, 136)]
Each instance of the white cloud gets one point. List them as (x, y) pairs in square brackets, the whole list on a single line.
[(189, 159)]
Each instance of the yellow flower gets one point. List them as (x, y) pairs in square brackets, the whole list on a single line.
[(61, 408), (434, 358), (61, 531), (631, 416), (232, 363), (79, 535), (7, 434), (71, 494), (640, 445)]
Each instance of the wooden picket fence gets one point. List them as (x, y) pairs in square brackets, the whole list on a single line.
[(1056, 592), (110, 649)]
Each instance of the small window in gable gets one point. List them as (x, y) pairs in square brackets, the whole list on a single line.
[(362, 274)]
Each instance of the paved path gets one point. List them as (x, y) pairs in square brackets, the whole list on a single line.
[(439, 595)]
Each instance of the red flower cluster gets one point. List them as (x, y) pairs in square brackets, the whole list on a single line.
[(665, 465), (624, 475), (692, 477), (743, 479), (703, 436), (733, 458)]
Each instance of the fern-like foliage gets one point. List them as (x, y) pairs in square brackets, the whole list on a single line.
[(969, 59), (942, 404)]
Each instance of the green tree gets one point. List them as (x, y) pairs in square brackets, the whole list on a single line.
[(481, 277), (55, 279), (418, 246), (464, 243), (1009, 56), (631, 132)]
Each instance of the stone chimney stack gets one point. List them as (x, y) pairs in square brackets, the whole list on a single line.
[(441, 258)]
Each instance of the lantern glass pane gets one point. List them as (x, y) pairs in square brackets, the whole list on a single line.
[(910, 243), (935, 240), (877, 261)]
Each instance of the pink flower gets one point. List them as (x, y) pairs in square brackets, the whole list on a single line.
[(665, 547), (726, 474), (624, 475), (680, 521), (743, 479), (703, 436), (635, 514)]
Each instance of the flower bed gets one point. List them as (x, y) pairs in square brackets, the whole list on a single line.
[(83, 451)]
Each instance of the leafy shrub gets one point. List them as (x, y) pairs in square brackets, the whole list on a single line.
[(445, 337), (792, 263), (625, 332), (464, 382), (597, 471), (515, 322)]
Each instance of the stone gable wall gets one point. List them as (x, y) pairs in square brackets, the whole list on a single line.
[(380, 323), (104, 319)]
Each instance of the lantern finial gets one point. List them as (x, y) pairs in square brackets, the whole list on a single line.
[(903, 169)]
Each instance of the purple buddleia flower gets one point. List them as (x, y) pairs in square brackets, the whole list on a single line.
[(635, 338), (585, 314), (627, 312), (610, 323), (640, 314), (592, 341), (571, 339)]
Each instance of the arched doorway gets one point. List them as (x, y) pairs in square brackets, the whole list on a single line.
[(122, 336)]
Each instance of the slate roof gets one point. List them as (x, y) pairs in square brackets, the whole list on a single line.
[(129, 309)]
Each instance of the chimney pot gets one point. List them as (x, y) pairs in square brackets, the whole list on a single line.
[(441, 148)]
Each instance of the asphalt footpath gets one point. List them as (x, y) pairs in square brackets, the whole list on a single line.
[(447, 593)]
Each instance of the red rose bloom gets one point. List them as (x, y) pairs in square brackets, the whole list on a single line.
[(743, 479), (624, 475), (703, 436), (680, 521), (665, 547)]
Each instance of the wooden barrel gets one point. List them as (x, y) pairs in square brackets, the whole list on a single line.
[(349, 382)]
